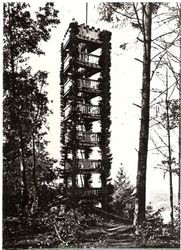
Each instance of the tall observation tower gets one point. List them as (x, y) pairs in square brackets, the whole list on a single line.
[(85, 114)]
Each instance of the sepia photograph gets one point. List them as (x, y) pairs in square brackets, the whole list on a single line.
[(91, 117)]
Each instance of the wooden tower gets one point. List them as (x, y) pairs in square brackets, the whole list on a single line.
[(85, 113)]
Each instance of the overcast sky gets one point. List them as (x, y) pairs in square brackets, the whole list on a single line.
[(125, 90)]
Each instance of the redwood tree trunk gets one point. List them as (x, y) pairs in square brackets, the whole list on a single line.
[(144, 129)]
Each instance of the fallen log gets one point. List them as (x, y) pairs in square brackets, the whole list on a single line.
[(120, 228)]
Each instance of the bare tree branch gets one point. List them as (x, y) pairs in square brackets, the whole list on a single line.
[(138, 60), (138, 20), (158, 148), (161, 138), (151, 103), (163, 35), (136, 105)]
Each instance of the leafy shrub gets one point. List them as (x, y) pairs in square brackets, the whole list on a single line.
[(177, 222), (59, 229), (52, 228), (154, 233), (63, 229), (91, 220), (152, 228), (173, 233)]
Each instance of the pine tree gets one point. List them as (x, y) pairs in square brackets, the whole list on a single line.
[(123, 197)]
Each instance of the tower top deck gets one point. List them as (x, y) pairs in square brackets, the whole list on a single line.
[(83, 32)]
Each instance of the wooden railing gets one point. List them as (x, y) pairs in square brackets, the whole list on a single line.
[(87, 137), (89, 164), (83, 83), (89, 192), (90, 138), (84, 109), (88, 109), (84, 58), (88, 84), (67, 61), (85, 192), (67, 110), (66, 38), (67, 85), (88, 58), (85, 164)]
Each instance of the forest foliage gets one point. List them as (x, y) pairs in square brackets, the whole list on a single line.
[(27, 165)]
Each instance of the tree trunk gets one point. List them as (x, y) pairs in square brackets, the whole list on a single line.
[(169, 152), (74, 194), (104, 195), (144, 129), (179, 110), (34, 172), (16, 119), (25, 189)]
